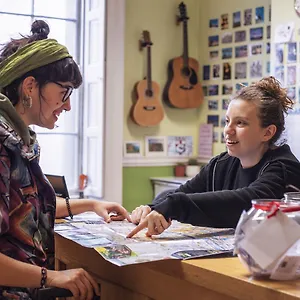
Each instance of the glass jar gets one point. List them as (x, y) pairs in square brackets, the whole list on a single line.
[(261, 209)]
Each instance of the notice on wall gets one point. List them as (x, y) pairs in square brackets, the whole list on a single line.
[(205, 149)]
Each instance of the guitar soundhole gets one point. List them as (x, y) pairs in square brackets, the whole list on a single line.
[(186, 71), (149, 108), (149, 93)]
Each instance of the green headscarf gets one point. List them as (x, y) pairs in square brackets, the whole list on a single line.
[(30, 57)]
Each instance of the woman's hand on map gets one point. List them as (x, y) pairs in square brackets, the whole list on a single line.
[(139, 214), (155, 222), (111, 211)]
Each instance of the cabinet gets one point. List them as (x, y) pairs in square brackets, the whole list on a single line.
[(161, 184)]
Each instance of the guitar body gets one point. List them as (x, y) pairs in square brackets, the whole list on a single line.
[(147, 111), (183, 89)]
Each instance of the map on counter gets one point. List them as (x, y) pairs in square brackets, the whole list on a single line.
[(179, 241)]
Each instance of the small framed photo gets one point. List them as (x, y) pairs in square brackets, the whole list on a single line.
[(155, 146), (132, 148)]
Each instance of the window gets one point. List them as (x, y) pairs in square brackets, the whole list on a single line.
[(88, 139)]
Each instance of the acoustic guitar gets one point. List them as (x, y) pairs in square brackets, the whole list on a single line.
[(183, 89), (147, 110)]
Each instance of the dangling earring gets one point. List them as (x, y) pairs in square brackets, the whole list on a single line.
[(27, 102)]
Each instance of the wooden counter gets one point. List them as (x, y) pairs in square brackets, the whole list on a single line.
[(218, 278)]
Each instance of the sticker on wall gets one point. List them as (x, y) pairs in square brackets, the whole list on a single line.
[(213, 41), (248, 16), (292, 53), (226, 38), (256, 33), (226, 53), (216, 71), (240, 70), (226, 71), (259, 15), (256, 69), (224, 21), (240, 36), (180, 145), (236, 19), (213, 23)]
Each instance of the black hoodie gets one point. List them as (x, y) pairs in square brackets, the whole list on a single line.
[(217, 196)]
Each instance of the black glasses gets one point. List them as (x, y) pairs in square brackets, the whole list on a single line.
[(68, 93)]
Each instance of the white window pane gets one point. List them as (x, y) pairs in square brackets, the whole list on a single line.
[(17, 25), (93, 4), (59, 156), (15, 6), (56, 8)]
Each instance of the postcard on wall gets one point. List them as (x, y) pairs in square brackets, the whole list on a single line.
[(236, 19), (248, 16), (291, 75), (213, 40), (224, 21), (291, 93), (132, 149), (292, 53), (279, 48), (213, 104), (225, 103), (227, 53), (180, 146), (226, 38), (206, 72), (241, 51), (227, 89), (226, 71), (215, 137), (240, 36), (268, 31), (255, 49), (213, 119), (205, 140), (256, 69), (279, 74), (216, 71), (240, 70), (284, 32), (213, 23), (213, 90), (268, 48), (259, 15), (214, 54), (256, 33)]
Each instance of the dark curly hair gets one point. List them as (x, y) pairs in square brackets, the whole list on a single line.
[(64, 70)]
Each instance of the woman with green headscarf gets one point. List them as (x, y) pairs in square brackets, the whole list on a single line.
[(37, 77)]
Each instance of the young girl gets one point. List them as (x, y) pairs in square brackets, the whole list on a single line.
[(37, 77), (254, 166)]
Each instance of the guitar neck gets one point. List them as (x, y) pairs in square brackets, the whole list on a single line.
[(185, 43), (149, 76)]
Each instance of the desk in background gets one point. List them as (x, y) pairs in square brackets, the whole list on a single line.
[(161, 184), (210, 278)]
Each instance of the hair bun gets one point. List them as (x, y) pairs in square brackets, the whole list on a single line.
[(40, 28)]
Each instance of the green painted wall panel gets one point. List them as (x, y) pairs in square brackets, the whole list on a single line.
[(137, 188)]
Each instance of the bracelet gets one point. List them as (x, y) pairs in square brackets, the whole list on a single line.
[(44, 277), (69, 207)]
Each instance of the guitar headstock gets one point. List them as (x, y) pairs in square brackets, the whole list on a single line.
[(145, 41), (182, 13)]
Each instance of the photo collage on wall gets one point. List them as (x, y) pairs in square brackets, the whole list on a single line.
[(238, 54)]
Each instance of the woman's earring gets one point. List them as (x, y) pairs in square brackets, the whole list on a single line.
[(27, 102)]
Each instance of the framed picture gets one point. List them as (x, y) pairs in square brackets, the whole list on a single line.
[(132, 148), (180, 145), (155, 146)]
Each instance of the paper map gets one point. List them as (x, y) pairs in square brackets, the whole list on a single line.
[(179, 241)]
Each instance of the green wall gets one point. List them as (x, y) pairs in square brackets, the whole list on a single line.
[(137, 188)]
